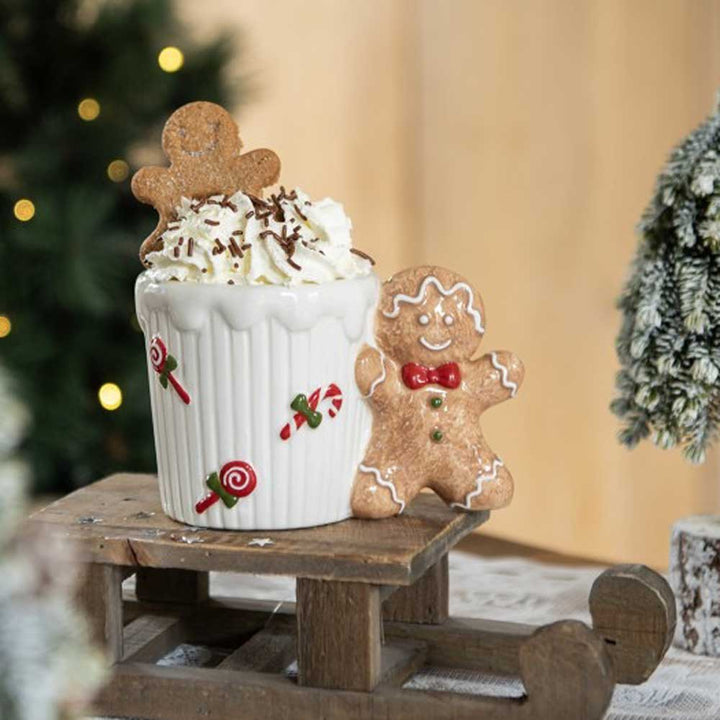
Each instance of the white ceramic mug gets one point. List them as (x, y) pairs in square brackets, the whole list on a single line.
[(225, 364)]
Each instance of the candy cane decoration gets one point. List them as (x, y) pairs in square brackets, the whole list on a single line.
[(236, 480), (307, 409), (164, 364)]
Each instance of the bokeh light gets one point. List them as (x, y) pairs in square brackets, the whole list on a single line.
[(110, 396), (5, 326), (88, 109), (24, 210), (170, 59), (118, 170)]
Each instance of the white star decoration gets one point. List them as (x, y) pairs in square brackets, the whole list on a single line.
[(261, 542)]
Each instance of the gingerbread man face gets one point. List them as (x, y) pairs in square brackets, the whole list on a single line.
[(429, 315), (200, 130), (201, 141)]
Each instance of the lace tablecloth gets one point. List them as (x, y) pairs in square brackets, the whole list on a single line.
[(685, 686)]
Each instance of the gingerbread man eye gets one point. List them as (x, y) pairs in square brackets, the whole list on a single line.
[(448, 319), (424, 319)]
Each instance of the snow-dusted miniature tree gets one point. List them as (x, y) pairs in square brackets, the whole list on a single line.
[(47, 668), (669, 343)]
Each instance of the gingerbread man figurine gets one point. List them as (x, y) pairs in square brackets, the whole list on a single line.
[(202, 142), (427, 394)]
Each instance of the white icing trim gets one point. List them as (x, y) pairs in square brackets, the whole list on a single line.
[(430, 346), (379, 379), (480, 480), (432, 280), (385, 483), (504, 375)]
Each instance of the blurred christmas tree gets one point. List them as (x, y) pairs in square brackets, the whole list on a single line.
[(669, 343), (84, 87)]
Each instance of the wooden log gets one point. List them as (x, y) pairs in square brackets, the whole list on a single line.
[(173, 586), (565, 667), (695, 578), (100, 596), (425, 601), (339, 634)]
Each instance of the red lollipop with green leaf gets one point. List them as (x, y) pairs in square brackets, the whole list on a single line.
[(236, 480)]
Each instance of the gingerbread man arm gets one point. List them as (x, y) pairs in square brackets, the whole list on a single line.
[(374, 375), (495, 377), (155, 186), (256, 170)]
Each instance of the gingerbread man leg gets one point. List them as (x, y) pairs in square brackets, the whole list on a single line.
[(486, 482), (381, 487)]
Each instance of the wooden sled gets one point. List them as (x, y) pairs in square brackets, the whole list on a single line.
[(371, 610)]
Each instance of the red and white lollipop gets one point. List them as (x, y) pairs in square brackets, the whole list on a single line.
[(235, 480)]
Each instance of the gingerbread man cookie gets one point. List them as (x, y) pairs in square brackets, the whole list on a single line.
[(201, 141), (427, 394)]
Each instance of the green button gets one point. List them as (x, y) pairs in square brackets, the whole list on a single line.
[(436, 402), (436, 436)]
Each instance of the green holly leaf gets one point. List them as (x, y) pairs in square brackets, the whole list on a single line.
[(164, 380), (170, 364), (230, 500), (213, 482)]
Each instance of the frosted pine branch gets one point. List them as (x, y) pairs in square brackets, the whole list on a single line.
[(669, 341)]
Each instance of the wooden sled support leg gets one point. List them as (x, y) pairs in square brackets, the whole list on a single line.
[(339, 634), (173, 586), (425, 601), (100, 596), (633, 611)]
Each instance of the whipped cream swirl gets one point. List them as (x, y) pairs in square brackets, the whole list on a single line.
[(283, 240)]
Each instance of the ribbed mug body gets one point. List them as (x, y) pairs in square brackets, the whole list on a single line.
[(242, 355)]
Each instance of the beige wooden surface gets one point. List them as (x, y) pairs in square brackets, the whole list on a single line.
[(517, 142)]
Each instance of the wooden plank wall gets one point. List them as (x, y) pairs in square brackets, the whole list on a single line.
[(517, 141)]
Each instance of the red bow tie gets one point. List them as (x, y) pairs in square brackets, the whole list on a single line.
[(416, 376)]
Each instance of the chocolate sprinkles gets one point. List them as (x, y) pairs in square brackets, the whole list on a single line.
[(300, 212), (363, 255), (235, 251)]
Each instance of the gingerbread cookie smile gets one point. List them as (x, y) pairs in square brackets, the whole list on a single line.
[(427, 394), (433, 347)]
